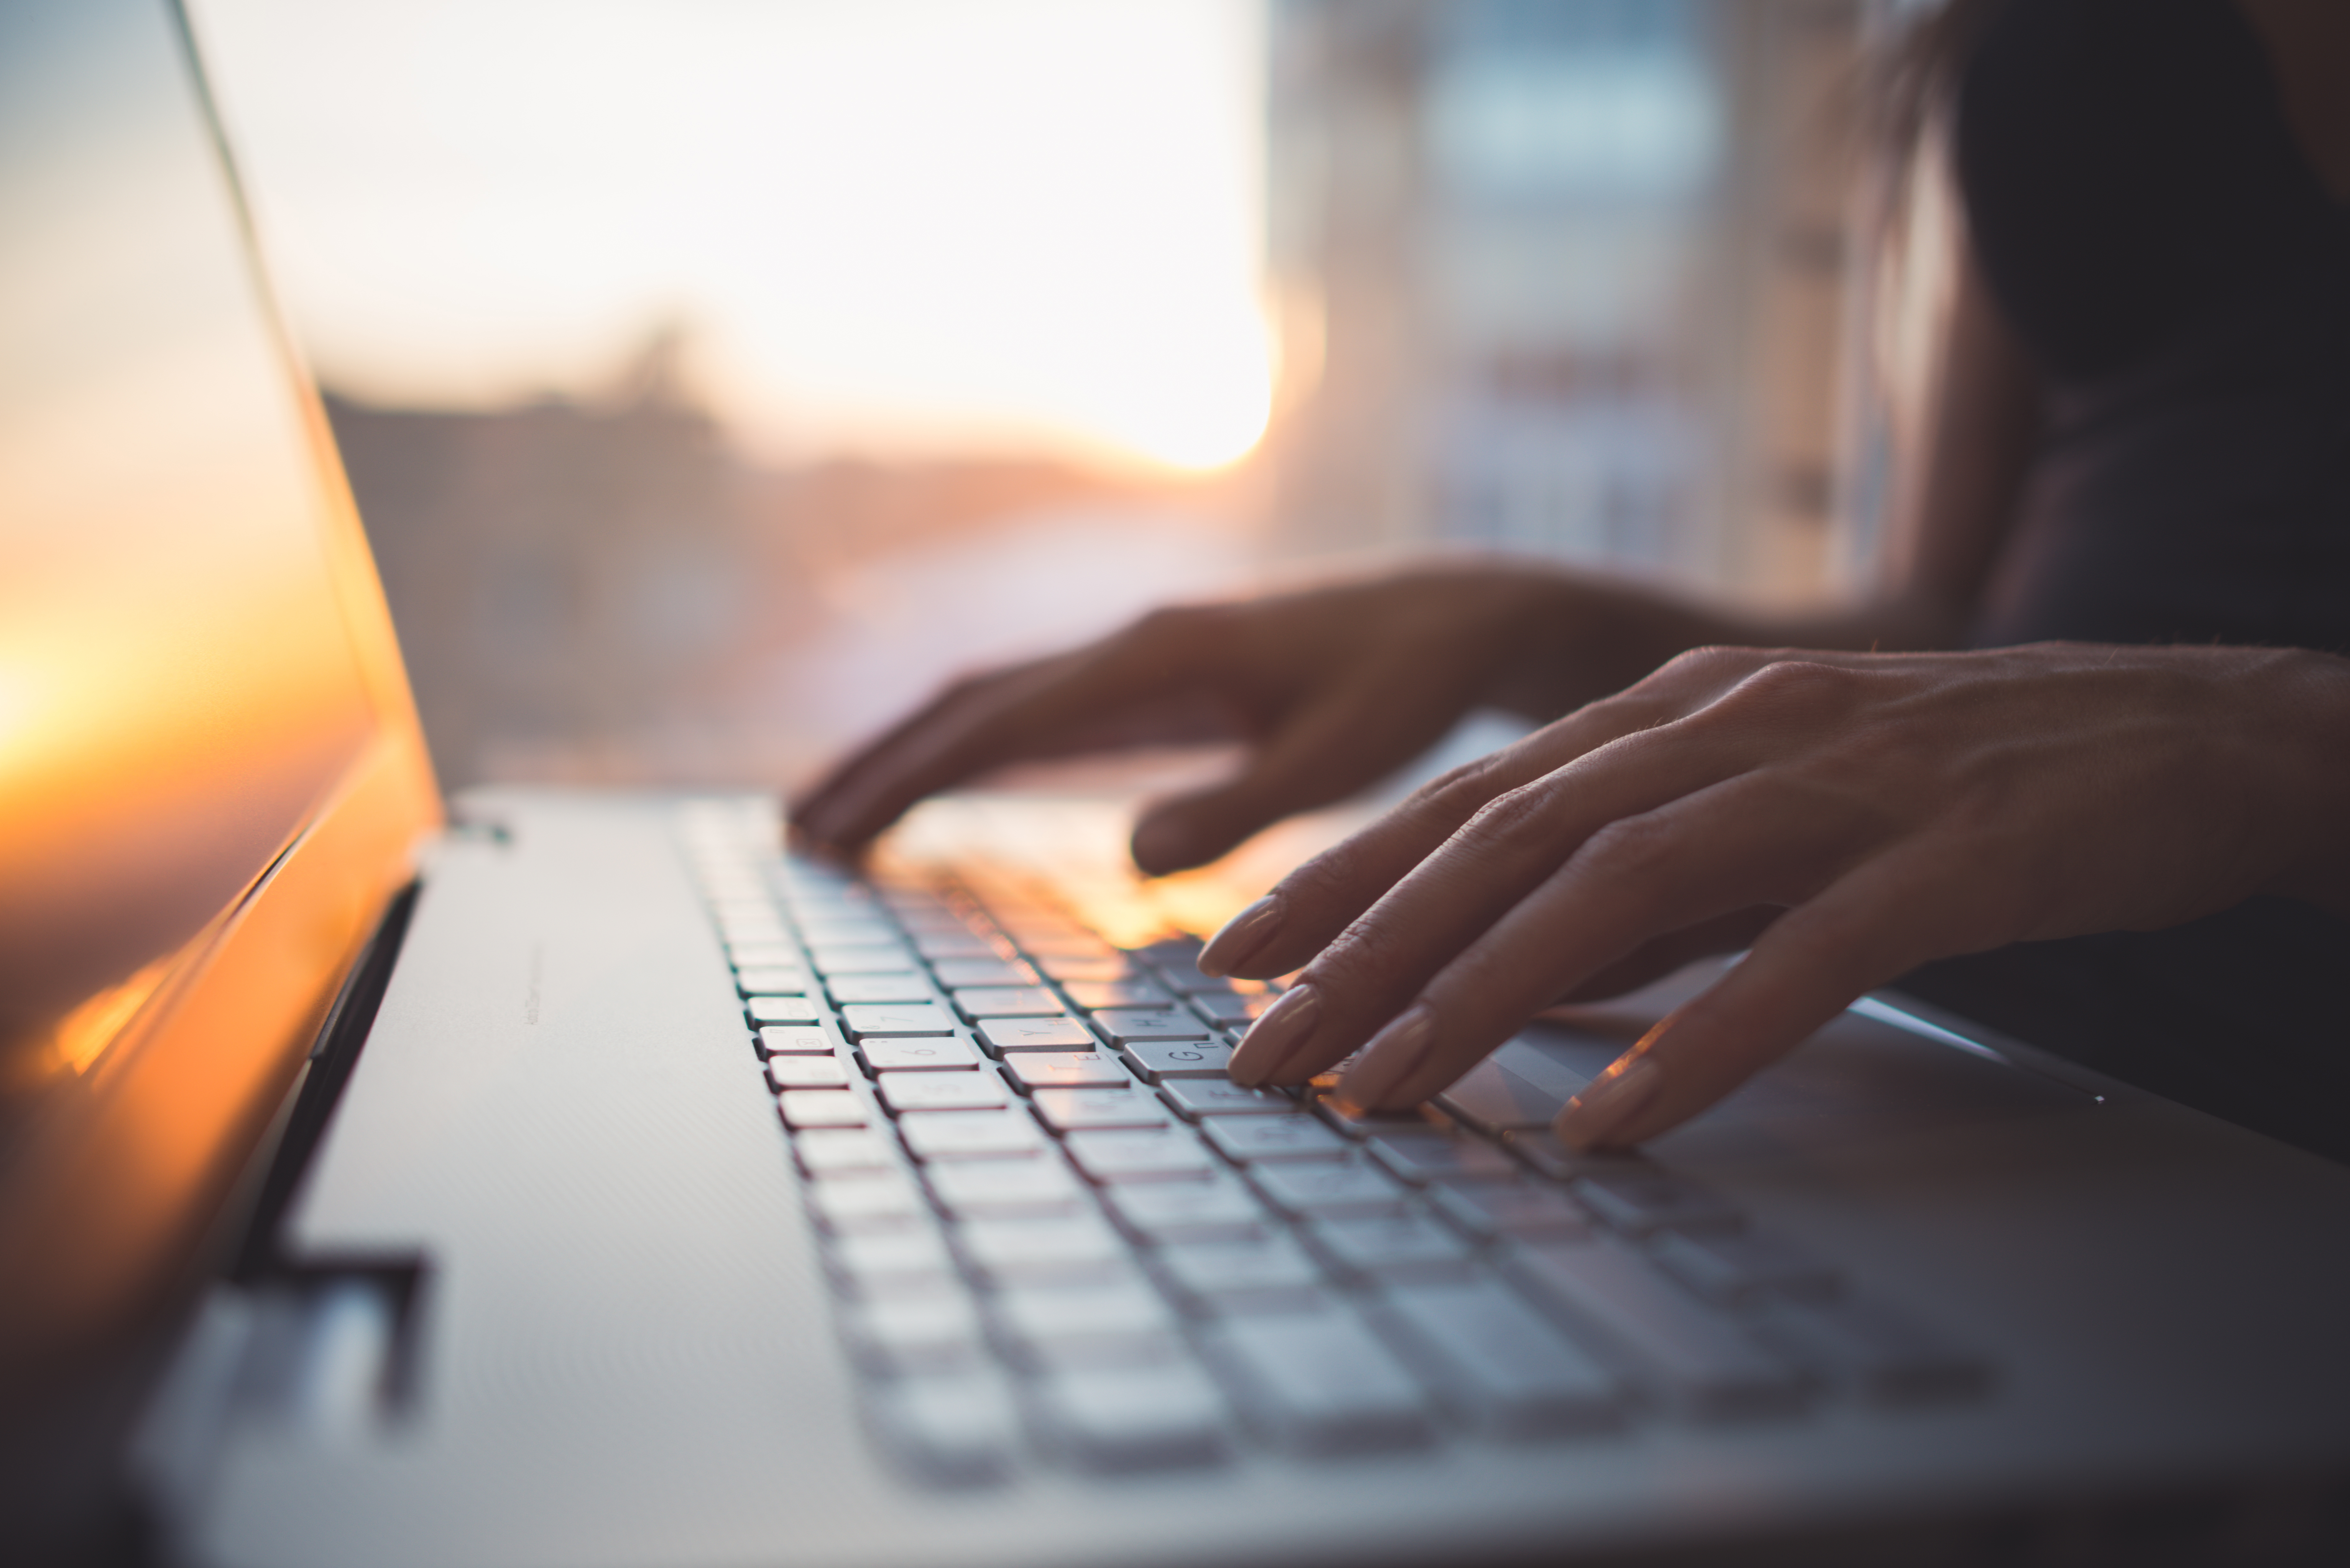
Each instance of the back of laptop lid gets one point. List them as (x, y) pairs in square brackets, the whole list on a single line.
[(211, 775)]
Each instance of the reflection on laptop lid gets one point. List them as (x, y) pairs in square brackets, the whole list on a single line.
[(690, 1205), (211, 777)]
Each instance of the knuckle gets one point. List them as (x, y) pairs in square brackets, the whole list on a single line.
[(1628, 848), (1457, 795), (1369, 960), (1508, 817), (1324, 880), (1715, 662), (1798, 687), (1174, 626)]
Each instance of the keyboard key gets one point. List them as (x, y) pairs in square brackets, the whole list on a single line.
[(1007, 1002), (1642, 1203), (773, 980), (1072, 1110), (971, 1135), (1067, 1070), (1124, 1028), (1269, 1274), (1700, 1362), (923, 1334), (999, 1188), (930, 919), (872, 1022), (764, 955), (1121, 1320), (1156, 1155), (1228, 1011), (763, 1010), (1497, 1363), (1013, 1251), (753, 930), (1217, 1209), (956, 974), (1320, 1383), (921, 1053), (905, 1093), (1740, 1270), (807, 1073), (1390, 1247), (822, 1108), (1095, 995), (1197, 1097), (849, 990), (1004, 1036), (834, 963), (938, 945), (849, 1203), (1514, 1208), (960, 1427), (1886, 1356), (1545, 1152), (845, 1151), (1249, 1139), (1127, 1418), (1494, 1099), (1325, 1189), (1160, 1060), (1044, 947), (1421, 1159), (798, 1040), (881, 1262), (1090, 967), (1176, 960), (829, 931)]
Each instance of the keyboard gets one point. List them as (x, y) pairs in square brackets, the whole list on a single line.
[(1057, 1233)]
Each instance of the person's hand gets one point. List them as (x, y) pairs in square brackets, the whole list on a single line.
[(1852, 815), (1332, 689)]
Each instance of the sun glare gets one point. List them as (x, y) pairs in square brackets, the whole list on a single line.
[(890, 226)]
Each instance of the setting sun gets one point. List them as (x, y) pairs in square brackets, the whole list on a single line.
[(896, 227)]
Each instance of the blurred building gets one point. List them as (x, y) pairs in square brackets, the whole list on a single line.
[(598, 590), (1563, 276), (558, 570)]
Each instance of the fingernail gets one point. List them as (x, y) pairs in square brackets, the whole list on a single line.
[(1276, 1037), (1610, 1103), (1240, 939), (1393, 1058)]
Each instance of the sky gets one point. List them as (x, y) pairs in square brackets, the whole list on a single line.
[(887, 227)]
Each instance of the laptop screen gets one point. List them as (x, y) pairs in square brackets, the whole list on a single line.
[(193, 664), (177, 688)]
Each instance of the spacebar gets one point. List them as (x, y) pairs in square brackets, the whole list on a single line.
[(1700, 1362)]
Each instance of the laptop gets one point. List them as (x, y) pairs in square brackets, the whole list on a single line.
[(562, 1177)]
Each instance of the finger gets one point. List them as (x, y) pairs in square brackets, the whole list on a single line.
[(1029, 711), (1360, 732), (1877, 923), (1368, 974), (1654, 960), (1707, 857), (1314, 904), (839, 806)]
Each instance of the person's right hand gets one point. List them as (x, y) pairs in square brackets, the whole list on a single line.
[(1331, 689)]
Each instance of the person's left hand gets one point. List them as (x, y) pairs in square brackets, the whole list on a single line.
[(1851, 816)]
